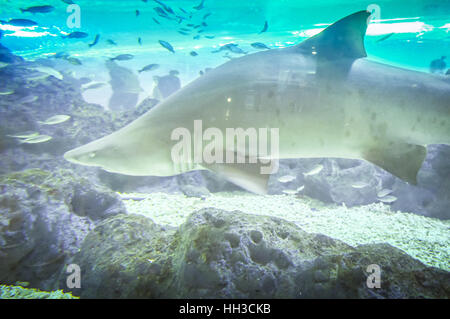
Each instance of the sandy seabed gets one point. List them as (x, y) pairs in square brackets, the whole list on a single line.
[(426, 239)]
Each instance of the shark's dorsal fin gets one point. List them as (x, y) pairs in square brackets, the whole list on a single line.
[(343, 39)]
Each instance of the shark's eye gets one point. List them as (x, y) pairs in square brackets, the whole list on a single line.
[(92, 155)]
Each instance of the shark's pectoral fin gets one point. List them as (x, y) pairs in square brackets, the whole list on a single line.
[(400, 159), (247, 176)]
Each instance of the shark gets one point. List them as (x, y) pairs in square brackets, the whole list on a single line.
[(325, 96)]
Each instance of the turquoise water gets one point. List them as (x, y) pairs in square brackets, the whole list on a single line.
[(421, 27)]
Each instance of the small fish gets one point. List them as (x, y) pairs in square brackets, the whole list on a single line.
[(73, 61), (384, 192), (68, 1), (260, 46), (193, 53), (6, 92), (316, 170), (24, 135), (160, 12), (49, 71), (94, 86), (156, 21), (166, 45), (183, 33), (232, 47), (22, 283), (111, 42), (200, 6), (182, 10), (28, 99), (150, 67), (204, 24), (266, 26), (38, 9), (3, 64), (140, 41), (388, 199), (206, 15), (290, 192), (61, 55), (22, 23), (138, 13), (57, 119), (287, 178), (97, 37), (76, 35), (36, 139), (359, 185), (294, 192), (122, 57), (386, 37), (197, 37), (166, 7), (209, 36)]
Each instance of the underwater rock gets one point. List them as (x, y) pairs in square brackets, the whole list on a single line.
[(44, 219), (219, 254), (125, 86), (7, 57), (166, 85)]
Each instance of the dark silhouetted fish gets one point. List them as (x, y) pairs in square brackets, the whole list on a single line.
[(232, 47), (140, 41), (156, 21), (182, 10), (76, 35), (387, 36), (260, 46), (150, 67), (123, 57), (206, 15), (183, 33), (197, 37), (164, 6), (193, 53), (266, 26), (97, 37), (438, 65), (22, 23), (138, 13), (166, 45), (73, 61), (39, 9), (200, 6), (68, 1), (61, 55), (109, 41), (209, 36)]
